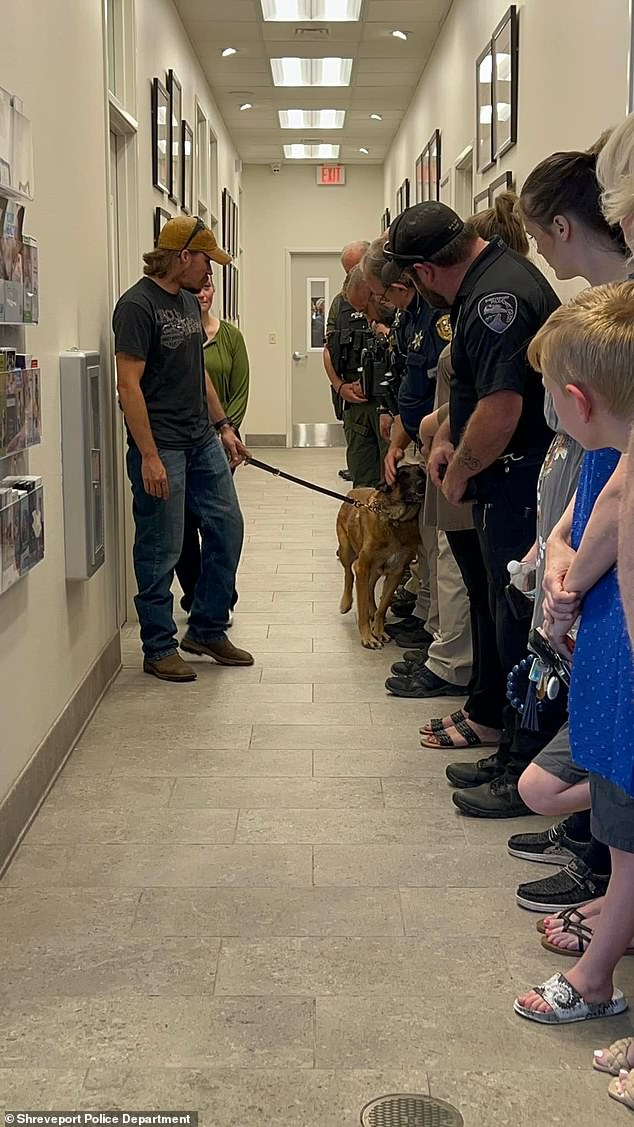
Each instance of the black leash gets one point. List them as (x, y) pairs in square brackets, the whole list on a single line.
[(250, 461)]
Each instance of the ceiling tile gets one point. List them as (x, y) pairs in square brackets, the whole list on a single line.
[(385, 70)]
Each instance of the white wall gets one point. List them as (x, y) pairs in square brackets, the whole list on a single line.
[(162, 43), (289, 211), (572, 83), (52, 632)]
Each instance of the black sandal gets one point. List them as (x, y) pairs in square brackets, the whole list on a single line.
[(436, 726), (471, 738)]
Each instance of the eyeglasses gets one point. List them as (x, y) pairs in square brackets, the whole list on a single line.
[(200, 226)]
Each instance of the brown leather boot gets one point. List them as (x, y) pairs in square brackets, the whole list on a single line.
[(170, 668), (222, 650)]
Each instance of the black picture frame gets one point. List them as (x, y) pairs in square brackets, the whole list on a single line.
[(419, 178), (481, 199), (504, 80), (225, 292), (225, 224), (187, 168), (484, 108), (503, 183), (385, 220), (175, 91), (403, 196), (161, 217), (236, 236), (160, 137)]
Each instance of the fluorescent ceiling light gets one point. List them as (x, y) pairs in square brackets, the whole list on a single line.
[(376, 117), (306, 11), (400, 34), (311, 152), (246, 106), (363, 150), (311, 72), (226, 51), (312, 119)]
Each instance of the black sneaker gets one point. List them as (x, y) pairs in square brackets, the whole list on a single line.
[(408, 625), (423, 684), (498, 799), (569, 888), (403, 603), (345, 474), (418, 636), (413, 660), (551, 847), (465, 775)]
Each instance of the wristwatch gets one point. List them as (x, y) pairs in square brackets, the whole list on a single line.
[(222, 423)]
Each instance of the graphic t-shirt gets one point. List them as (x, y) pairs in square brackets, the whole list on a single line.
[(165, 331)]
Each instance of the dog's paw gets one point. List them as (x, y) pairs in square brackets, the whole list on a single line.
[(383, 638), (372, 643)]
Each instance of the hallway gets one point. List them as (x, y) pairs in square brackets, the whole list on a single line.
[(251, 895)]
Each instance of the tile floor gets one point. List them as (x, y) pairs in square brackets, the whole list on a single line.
[(252, 896)]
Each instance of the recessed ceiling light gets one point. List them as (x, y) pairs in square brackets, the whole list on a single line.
[(246, 106), (226, 51), (311, 152), (311, 72), (400, 34), (376, 117), (306, 11), (363, 150), (311, 119)]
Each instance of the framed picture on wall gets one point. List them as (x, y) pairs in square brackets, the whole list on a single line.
[(418, 182), (160, 136), (187, 175), (175, 91), (504, 183), (225, 220), (433, 150), (481, 201), (385, 220), (484, 109), (161, 217), (504, 69), (236, 235)]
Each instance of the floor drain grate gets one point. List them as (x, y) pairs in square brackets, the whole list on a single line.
[(410, 1111)]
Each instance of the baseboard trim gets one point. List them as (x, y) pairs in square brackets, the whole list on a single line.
[(265, 440), (21, 804)]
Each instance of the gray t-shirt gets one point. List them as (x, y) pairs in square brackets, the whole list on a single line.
[(165, 331)]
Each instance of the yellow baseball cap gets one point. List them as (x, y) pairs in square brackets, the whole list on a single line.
[(188, 232)]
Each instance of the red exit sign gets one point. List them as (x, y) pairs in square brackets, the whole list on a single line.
[(331, 175)]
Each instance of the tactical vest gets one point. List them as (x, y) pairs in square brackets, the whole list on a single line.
[(348, 341)]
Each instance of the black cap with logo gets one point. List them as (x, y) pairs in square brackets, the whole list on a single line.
[(419, 232)]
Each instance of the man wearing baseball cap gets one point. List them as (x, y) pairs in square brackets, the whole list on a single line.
[(178, 443), (496, 437)]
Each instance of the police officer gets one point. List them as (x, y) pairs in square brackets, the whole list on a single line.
[(495, 438), (347, 344), (351, 256)]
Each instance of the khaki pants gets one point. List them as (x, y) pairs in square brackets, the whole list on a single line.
[(450, 655), (365, 447)]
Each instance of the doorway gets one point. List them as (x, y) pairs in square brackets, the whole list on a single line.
[(314, 280), (463, 184)]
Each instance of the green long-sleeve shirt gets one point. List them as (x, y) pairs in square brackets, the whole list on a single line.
[(227, 363)]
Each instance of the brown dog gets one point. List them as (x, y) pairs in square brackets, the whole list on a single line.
[(375, 544)]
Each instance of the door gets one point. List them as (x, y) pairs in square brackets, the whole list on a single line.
[(121, 515), (314, 281)]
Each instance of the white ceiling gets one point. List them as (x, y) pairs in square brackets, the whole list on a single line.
[(385, 71)]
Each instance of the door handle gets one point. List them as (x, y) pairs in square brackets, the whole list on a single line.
[(299, 356)]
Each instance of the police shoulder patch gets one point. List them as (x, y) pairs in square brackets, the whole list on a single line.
[(498, 311), (443, 327)]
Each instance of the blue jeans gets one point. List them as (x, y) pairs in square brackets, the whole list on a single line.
[(200, 479)]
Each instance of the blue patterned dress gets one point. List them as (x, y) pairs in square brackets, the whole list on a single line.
[(602, 690)]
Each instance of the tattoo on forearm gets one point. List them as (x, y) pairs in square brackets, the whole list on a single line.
[(468, 459)]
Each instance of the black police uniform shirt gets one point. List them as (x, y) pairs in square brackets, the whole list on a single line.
[(428, 332), (502, 302), (165, 330)]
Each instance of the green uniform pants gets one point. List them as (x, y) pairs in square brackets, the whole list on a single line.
[(366, 448)]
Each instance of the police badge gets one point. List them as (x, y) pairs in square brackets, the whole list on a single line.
[(443, 327)]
